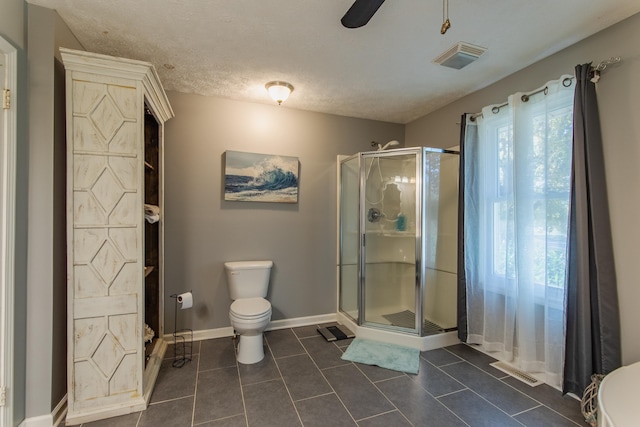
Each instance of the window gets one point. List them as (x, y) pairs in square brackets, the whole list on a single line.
[(544, 190), (517, 195)]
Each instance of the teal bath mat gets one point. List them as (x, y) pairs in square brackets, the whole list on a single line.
[(385, 355)]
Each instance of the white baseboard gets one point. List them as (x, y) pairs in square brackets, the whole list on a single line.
[(50, 420), (208, 334), (302, 321), (41, 421), (422, 343)]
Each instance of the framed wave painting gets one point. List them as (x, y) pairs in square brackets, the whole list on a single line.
[(252, 177)]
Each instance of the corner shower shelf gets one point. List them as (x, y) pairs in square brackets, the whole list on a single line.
[(392, 233), (391, 261)]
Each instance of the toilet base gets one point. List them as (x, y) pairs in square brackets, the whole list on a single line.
[(250, 349)]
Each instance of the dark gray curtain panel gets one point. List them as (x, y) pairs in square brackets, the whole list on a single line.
[(462, 282), (468, 146), (593, 320)]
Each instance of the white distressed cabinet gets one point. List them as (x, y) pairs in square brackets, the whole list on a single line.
[(116, 109)]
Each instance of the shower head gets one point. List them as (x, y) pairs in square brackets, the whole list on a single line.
[(385, 146), (388, 144)]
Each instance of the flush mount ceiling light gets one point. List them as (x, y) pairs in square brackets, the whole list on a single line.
[(460, 55), (279, 91)]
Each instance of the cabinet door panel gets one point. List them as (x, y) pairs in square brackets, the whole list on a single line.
[(107, 359)]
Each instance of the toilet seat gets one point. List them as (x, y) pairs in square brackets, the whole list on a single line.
[(250, 308)]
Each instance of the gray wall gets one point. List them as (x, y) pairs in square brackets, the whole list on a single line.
[(46, 252), (40, 242), (202, 231), (619, 102), (13, 29), (12, 22), (63, 37)]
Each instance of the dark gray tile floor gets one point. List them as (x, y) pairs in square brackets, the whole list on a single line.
[(303, 382)]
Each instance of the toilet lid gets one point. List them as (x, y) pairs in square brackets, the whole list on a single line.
[(250, 307)]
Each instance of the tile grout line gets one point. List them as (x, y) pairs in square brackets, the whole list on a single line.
[(385, 413), (541, 403), (480, 395), (288, 356), (325, 378), (495, 406), (295, 408), (195, 390), (501, 380), (160, 402), (426, 391), (549, 408), (244, 403), (449, 376), (527, 410), (452, 392), (436, 398), (384, 395), (375, 387), (544, 410), (313, 397)]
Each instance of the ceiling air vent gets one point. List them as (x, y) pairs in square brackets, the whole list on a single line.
[(460, 55)]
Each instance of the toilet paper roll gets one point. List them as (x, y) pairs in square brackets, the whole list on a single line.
[(185, 300)]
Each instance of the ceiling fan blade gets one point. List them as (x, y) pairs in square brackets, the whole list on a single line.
[(360, 13)]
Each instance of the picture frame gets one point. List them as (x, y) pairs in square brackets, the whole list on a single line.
[(255, 177)]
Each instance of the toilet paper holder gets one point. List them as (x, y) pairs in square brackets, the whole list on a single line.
[(182, 339)]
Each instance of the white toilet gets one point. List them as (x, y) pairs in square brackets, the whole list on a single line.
[(250, 312)]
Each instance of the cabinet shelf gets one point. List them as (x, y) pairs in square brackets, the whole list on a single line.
[(148, 165), (148, 269)]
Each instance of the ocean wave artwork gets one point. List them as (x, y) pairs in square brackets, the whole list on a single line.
[(253, 177)]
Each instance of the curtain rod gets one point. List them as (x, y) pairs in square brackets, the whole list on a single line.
[(603, 64), (566, 82)]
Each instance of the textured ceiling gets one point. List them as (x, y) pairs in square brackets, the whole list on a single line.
[(382, 71)]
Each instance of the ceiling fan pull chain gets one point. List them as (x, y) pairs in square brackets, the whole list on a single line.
[(446, 24)]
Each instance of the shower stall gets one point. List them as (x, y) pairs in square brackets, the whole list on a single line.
[(398, 219)]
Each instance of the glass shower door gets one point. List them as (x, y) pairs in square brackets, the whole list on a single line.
[(349, 236), (440, 228), (388, 223), (398, 239)]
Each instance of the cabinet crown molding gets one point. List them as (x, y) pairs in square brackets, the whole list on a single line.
[(131, 69)]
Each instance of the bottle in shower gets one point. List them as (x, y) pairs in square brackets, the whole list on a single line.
[(401, 222)]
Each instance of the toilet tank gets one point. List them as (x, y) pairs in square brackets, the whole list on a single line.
[(248, 279)]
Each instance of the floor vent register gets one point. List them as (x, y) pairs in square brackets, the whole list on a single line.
[(516, 373)]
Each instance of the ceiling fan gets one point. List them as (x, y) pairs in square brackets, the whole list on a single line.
[(360, 13)]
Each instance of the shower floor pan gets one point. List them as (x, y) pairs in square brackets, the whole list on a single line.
[(407, 319)]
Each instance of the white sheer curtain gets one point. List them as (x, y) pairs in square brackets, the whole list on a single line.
[(515, 240)]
